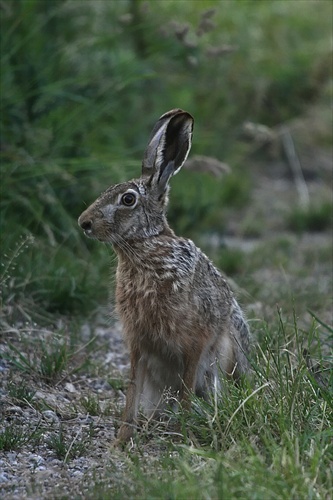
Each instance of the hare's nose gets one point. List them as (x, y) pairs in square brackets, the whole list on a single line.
[(86, 224)]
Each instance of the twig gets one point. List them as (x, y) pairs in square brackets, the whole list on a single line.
[(71, 445), (295, 166)]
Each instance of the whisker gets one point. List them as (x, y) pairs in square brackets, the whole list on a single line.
[(125, 246)]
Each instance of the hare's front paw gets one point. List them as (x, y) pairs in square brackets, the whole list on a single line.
[(125, 433)]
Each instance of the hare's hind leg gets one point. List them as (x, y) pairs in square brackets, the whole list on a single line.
[(138, 373), (190, 376), (163, 378)]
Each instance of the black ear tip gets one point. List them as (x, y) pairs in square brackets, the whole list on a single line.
[(177, 112), (172, 112)]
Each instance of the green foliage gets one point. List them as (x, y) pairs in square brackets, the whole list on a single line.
[(66, 449), (91, 405), (231, 260), (116, 383), (199, 202), (83, 82), (252, 227), (235, 190), (313, 218), (21, 392), (46, 358), (13, 437)]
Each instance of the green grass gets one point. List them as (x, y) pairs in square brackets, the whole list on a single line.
[(22, 393), (316, 218), (269, 439), (95, 406), (49, 357), (91, 405), (231, 260), (14, 437), (49, 362), (66, 448)]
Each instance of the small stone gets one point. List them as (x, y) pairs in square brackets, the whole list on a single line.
[(50, 415), (70, 387), (40, 468), (88, 419), (14, 409), (3, 477), (77, 473), (36, 459), (11, 456)]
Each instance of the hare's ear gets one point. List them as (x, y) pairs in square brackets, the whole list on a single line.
[(168, 147)]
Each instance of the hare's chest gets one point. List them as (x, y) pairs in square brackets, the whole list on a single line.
[(144, 301), (136, 291)]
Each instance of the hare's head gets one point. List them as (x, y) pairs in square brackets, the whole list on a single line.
[(135, 210)]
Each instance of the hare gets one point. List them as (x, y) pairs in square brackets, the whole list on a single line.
[(180, 319)]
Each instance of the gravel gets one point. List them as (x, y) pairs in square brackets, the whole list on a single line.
[(37, 467)]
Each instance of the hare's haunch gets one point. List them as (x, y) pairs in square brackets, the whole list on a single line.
[(180, 319)]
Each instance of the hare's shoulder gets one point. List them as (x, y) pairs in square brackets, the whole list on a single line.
[(183, 258), (182, 255)]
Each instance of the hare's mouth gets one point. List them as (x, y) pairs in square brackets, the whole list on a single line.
[(89, 233), (93, 236)]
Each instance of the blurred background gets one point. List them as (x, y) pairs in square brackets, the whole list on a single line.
[(83, 83)]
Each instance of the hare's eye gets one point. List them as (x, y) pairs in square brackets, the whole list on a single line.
[(128, 199)]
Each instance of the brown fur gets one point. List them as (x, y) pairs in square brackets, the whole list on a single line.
[(180, 319)]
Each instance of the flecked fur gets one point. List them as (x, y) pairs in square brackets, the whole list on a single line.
[(180, 319)]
